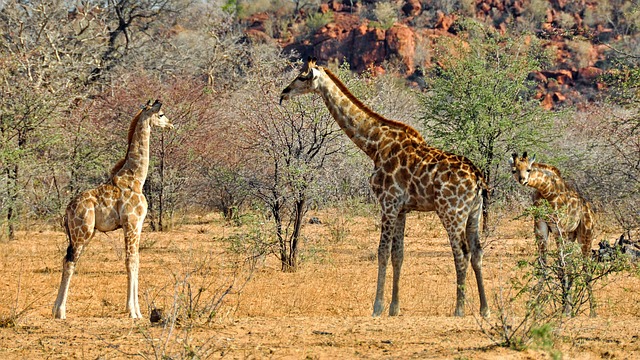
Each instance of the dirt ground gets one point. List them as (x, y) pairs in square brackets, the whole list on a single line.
[(322, 311)]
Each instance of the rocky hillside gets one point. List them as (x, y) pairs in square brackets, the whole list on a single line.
[(368, 33)]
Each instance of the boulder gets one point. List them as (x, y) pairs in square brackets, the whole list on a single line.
[(412, 8), (401, 41), (589, 75)]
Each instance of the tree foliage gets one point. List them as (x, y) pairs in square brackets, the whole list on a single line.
[(480, 101)]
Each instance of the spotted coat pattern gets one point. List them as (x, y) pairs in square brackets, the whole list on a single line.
[(119, 203), (408, 175), (575, 218)]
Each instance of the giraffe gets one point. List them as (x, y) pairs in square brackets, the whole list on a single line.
[(575, 218), (118, 203), (408, 175), (576, 221)]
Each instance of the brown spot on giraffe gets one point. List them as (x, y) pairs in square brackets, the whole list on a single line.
[(408, 175), (119, 203)]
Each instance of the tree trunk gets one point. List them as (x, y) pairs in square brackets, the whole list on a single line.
[(151, 213), (12, 195), (292, 263), (161, 186)]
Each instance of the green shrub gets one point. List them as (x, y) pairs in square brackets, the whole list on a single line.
[(318, 20)]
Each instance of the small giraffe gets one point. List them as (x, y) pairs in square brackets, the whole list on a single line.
[(119, 203), (576, 221), (408, 175)]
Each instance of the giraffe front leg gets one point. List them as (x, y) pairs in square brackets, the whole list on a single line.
[(541, 232), (397, 257), (384, 251), (132, 261), (133, 307)]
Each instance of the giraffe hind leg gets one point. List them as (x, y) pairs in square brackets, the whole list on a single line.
[(397, 256), (473, 238), (461, 258), (68, 269), (77, 239), (384, 251)]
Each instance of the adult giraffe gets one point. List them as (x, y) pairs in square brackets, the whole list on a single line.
[(408, 175), (119, 203)]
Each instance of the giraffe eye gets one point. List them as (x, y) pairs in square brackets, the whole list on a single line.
[(513, 171), (528, 170)]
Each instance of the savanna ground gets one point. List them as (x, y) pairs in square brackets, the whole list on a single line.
[(322, 311)]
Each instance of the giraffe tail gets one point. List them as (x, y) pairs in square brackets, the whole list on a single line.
[(70, 251)]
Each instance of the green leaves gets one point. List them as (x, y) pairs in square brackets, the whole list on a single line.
[(480, 102)]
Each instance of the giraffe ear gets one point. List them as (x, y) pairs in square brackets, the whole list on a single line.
[(156, 105)]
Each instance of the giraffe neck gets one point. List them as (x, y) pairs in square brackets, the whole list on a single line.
[(548, 184), (136, 162), (363, 126)]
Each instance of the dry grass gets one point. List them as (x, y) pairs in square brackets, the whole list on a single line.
[(322, 311)]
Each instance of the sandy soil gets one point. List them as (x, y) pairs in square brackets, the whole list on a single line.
[(322, 311)]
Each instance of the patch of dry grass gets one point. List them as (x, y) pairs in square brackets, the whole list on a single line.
[(321, 311)]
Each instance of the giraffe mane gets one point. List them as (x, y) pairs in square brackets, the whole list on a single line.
[(396, 124), (132, 128), (547, 167)]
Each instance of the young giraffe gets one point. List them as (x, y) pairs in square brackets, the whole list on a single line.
[(577, 218), (574, 221), (119, 203), (408, 175)]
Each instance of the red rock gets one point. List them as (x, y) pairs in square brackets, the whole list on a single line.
[(558, 97), (589, 75), (537, 76), (518, 7), (412, 7), (336, 5), (368, 48), (258, 36), (401, 40), (547, 102), (444, 22)]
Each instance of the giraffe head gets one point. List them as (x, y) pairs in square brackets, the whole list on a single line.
[(521, 167), (305, 82), (155, 115)]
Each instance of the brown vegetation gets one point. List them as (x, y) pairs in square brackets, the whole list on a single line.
[(321, 311)]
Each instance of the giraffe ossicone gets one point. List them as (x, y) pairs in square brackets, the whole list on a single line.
[(408, 175), (118, 203)]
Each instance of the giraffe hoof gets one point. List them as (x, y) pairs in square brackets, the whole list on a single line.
[(394, 310), (59, 313), (485, 313), (377, 309)]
